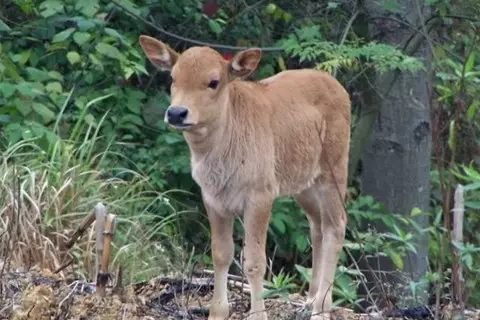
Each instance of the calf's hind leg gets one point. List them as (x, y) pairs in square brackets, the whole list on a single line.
[(323, 204)]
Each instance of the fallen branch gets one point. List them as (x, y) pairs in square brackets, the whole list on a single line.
[(86, 222)]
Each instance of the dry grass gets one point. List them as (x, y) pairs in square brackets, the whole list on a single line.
[(44, 194)]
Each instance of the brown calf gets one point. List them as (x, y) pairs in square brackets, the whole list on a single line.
[(250, 142)]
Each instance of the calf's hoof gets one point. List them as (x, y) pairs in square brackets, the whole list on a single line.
[(320, 316), (257, 316), (219, 312)]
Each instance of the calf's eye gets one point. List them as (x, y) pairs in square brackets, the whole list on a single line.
[(213, 84)]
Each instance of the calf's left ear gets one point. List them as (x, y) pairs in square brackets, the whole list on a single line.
[(244, 62)]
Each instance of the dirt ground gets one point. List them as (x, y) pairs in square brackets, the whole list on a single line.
[(41, 295)]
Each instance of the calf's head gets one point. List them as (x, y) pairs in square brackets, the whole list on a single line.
[(200, 78)]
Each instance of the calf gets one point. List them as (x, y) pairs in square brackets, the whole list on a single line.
[(250, 142)]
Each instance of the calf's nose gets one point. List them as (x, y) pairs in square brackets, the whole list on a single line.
[(176, 114)]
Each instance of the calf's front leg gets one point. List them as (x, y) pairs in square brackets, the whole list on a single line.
[(222, 255), (256, 220)]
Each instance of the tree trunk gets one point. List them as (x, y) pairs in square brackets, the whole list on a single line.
[(396, 161)]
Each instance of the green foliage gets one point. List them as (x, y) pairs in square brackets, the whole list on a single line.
[(308, 45), (456, 142), (280, 285)]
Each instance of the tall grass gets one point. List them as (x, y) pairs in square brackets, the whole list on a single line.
[(46, 192)]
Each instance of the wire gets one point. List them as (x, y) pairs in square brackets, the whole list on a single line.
[(193, 41)]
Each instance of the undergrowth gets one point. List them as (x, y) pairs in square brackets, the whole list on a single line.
[(46, 191)]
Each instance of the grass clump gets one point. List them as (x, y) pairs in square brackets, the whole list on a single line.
[(46, 191)]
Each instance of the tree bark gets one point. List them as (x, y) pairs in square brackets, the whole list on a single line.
[(396, 161)]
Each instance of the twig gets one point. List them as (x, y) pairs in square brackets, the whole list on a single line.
[(246, 9), (118, 288), (345, 33), (229, 276), (86, 222), (66, 298), (68, 263), (192, 41)]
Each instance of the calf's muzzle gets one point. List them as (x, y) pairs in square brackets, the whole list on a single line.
[(176, 115)]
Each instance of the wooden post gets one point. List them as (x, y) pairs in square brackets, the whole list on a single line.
[(100, 214), (103, 275), (458, 282)]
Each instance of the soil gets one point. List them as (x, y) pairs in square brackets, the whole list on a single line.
[(42, 295)]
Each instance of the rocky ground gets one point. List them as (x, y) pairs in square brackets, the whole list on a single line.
[(41, 295)]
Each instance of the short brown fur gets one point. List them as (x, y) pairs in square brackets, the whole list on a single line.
[(251, 142)]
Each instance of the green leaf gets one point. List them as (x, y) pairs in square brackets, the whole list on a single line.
[(84, 25), (27, 134), (24, 56), (332, 5), (416, 212), (279, 225), (287, 17), (22, 107), (451, 135), (472, 110), (73, 57), (55, 75), (472, 204), (62, 36), (88, 7), (54, 86), (51, 137), (90, 120), (472, 186), (4, 119), (37, 75), (172, 138), (109, 51), (28, 89), (50, 7), (4, 27), (270, 8), (43, 111), (7, 89), (132, 119), (215, 26), (301, 243), (114, 33), (81, 37), (13, 132), (305, 272), (10, 68), (396, 258), (470, 62), (130, 6)]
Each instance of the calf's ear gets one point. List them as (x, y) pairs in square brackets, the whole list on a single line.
[(160, 55), (244, 62)]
